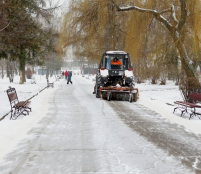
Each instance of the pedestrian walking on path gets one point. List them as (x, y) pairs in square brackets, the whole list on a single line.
[(69, 77), (66, 74)]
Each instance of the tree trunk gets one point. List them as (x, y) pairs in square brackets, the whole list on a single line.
[(10, 70), (2, 72), (113, 29), (22, 69), (22, 74), (2, 69), (186, 64)]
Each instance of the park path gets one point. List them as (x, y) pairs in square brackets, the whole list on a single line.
[(81, 134)]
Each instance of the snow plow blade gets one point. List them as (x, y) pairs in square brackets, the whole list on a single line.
[(119, 93)]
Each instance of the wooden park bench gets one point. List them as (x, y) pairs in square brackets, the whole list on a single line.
[(191, 106), (50, 84), (17, 107)]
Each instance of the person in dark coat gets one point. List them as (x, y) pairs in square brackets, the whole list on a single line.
[(69, 77)]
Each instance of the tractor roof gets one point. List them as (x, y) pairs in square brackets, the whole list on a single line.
[(116, 52)]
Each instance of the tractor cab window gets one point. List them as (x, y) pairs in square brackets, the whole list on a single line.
[(115, 62)]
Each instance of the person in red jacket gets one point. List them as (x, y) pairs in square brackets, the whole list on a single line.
[(66, 74)]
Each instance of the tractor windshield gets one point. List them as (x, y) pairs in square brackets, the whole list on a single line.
[(116, 62)]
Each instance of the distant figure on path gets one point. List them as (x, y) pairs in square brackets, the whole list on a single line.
[(69, 77), (66, 74)]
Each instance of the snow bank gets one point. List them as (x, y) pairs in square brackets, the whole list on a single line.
[(13, 131)]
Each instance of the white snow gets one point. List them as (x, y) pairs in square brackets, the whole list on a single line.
[(12, 131), (159, 98)]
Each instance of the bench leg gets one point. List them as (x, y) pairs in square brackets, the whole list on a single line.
[(11, 115), (191, 116), (28, 108), (25, 110), (194, 114), (182, 111), (18, 111), (174, 110), (15, 114)]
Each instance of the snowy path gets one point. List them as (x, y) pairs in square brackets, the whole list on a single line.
[(84, 135)]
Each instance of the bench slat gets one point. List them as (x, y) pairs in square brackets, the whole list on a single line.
[(22, 104), (187, 104)]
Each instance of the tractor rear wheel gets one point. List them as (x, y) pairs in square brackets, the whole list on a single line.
[(135, 97), (98, 84), (130, 98), (109, 96)]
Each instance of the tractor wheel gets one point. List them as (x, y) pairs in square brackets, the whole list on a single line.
[(98, 84), (109, 96), (130, 98), (104, 95), (132, 83), (135, 97), (97, 91)]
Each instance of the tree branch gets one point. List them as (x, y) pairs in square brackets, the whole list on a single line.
[(174, 16), (49, 9), (157, 15), (5, 27), (183, 15)]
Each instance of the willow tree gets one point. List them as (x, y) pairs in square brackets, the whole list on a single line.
[(173, 16), (92, 27)]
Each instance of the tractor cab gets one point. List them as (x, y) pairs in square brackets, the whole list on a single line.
[(115, 60)]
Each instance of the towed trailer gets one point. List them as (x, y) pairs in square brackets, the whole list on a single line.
[(118, 92)]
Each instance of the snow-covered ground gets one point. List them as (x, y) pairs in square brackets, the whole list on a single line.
[(12, 131), (156, 97)]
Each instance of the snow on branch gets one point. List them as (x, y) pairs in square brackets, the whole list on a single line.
[(141, 9), (135, 8), (157, 15), (174, 16)]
